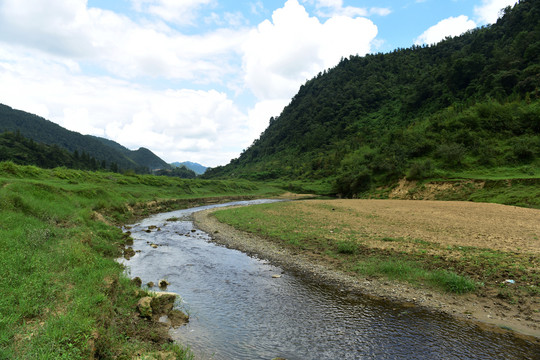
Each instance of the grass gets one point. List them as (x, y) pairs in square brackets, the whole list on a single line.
[(454, 269), (412, 272), (63, 294)]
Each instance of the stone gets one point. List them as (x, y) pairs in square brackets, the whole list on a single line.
[(137, 281), (178, 318), (144, 305), (163, 284)]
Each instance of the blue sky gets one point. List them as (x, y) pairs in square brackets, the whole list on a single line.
[(197, 80)]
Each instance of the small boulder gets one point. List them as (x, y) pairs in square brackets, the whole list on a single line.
[(163, 284), (178, 318), (129, 253), (144, 305), (137, 281)]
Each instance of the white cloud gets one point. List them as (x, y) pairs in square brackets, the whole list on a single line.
[(490, 10), (181, 12), (283, 53), (202, 126), (67, 29), (453, 26), (56, 26), (330, 8)]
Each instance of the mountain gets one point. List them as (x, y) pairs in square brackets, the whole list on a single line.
[(23, 151), (46, 132), (197, 168), (469, 103)]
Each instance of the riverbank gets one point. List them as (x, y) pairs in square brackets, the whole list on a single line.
[(485, 308), (64, 295)]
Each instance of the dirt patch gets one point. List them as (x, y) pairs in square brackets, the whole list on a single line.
[(412, 190), (431, 226), (448, 223)]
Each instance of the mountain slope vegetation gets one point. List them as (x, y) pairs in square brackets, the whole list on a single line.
[(43, 131), (467, 104)]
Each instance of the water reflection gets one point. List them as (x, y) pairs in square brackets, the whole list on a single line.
[(240, 311)]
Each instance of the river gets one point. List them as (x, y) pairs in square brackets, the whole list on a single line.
[(242, 307)]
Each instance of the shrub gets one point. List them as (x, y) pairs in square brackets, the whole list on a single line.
[(451, 154), (346, 247)]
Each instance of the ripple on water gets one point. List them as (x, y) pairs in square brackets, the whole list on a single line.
[(238, 311)]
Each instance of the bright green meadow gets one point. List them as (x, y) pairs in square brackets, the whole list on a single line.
[(63, 294)]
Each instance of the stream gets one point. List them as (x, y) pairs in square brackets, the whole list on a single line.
[(242, 307)]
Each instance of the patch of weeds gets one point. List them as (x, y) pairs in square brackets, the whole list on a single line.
[(173, 219), (452, 282), (295, 242), (388, 239), (421, 242), (347, 247)]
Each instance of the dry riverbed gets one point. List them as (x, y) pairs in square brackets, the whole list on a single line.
[(459, 233)]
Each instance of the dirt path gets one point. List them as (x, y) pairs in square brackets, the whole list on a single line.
[(443, 225)]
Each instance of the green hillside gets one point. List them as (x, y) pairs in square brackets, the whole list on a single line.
[(23, 151), (46, 132), (469, 104)]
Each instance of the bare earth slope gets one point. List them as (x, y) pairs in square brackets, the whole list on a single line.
[(447, 227)]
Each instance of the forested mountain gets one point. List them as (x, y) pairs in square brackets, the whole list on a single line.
[(114, 155), (469, 102), (23, 151), (197, 168)]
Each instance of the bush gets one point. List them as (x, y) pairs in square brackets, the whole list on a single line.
[(451, 154), (350, 185), (346, 247), (420, 170)]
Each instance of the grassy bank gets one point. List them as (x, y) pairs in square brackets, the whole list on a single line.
[(63, 295), (353, 240)]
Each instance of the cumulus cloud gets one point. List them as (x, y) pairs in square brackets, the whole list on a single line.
[(453, 26), (330, 8), (279, 55), (54, 26), (182, 12), (490, 10), (117, 44), (203, 126)]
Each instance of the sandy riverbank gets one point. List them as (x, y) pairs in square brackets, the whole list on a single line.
[(488, 312)]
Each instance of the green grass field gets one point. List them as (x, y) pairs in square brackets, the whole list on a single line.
[(63, 296)]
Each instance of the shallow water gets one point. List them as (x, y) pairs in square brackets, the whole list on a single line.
[(238, 310)]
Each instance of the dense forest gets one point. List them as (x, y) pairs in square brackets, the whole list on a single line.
[(468, 103), (23, 151), (48, 133)]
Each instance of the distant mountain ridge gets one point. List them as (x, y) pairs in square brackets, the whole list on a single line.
[(44, 131), (197, 168)]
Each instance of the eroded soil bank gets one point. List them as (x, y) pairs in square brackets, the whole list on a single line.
[(445, 225)]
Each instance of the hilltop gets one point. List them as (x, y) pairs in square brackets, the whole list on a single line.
[(106, 153), (467, 107)]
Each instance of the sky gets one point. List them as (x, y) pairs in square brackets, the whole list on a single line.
[(198, 80)]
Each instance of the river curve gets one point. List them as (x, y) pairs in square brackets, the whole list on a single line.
[(242, 307)]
